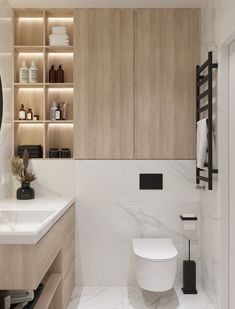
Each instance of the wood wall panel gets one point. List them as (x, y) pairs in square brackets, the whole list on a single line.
[(166, 49), (104, 68)]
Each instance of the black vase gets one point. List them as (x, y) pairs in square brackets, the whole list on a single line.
[(25, 192)]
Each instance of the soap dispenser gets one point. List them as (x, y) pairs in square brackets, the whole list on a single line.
[(53, 112), (33, 73), (24, 73)]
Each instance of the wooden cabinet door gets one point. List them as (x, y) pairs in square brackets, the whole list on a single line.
[(104, 66), (167, 48)]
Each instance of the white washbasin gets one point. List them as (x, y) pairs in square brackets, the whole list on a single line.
[(24, 221), (27, 222)]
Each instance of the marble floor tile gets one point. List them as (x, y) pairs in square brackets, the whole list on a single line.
[(135, 298), (97, 298)]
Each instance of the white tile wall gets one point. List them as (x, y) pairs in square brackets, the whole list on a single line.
[(217, 24), (55, 176), (5, 72), (111, 211)]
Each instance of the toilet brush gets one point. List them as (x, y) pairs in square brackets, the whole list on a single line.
[(189, 274)]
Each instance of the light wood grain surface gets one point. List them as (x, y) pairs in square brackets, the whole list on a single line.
[(165, 58), (105, 76), (31, 29), (26, 266)]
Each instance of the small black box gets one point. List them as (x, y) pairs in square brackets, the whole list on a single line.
[(150, 181), (35, 151), (65, 153), (54, 153), (189, 277)]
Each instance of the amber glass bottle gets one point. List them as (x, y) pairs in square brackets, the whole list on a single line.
[(52, 74), (60, 74)]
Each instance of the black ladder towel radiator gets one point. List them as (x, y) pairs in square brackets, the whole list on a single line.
[(201, 80)]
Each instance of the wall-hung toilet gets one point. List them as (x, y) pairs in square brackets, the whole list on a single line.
[(155, 263)]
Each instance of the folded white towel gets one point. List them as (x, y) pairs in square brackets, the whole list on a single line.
[(202, 143), (21, 296), (58, 44), (214, 152), (21, 306), (58, 36), (214, 159), (58, 40), (58, 29)]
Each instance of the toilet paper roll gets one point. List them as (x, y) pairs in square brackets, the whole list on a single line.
[(189, 225)]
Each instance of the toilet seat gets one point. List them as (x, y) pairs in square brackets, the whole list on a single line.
[(155, 249)]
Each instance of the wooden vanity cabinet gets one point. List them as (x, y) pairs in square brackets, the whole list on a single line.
[(50, 261)]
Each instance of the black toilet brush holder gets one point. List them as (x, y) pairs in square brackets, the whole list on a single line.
[(189, 275)]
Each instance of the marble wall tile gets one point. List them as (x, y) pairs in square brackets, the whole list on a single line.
[(108, 264), (55, 175), (119, 223), (210, 243), (5, 69), (5, 9), (5, 72), (5, 35), (111, 211), (119, 181), (218, 24)]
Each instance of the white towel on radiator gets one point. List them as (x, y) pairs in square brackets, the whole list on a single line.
[(214, 152), (202, 143)]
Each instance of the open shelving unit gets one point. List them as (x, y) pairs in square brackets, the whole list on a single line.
[(32, 28)]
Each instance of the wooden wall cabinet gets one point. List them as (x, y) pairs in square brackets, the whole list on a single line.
[(135, 72), (166, 51), (104, 117)]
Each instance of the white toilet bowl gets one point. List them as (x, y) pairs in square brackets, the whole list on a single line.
[(155, 263)]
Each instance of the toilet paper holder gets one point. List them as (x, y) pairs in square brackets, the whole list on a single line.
[(189, 221)]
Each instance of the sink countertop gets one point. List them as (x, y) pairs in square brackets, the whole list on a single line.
[(57, 206)]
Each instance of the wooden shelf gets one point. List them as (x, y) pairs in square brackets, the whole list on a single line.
[(59, 121), (59, 85), (29, 85), (40, 85), (29, 13), (59, 49), (31, 38), (29, 121), (48, 291), (29, 49)]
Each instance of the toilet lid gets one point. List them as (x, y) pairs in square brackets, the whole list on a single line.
[(154, 249)]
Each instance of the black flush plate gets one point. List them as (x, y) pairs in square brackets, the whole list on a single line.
[(151, 181)]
